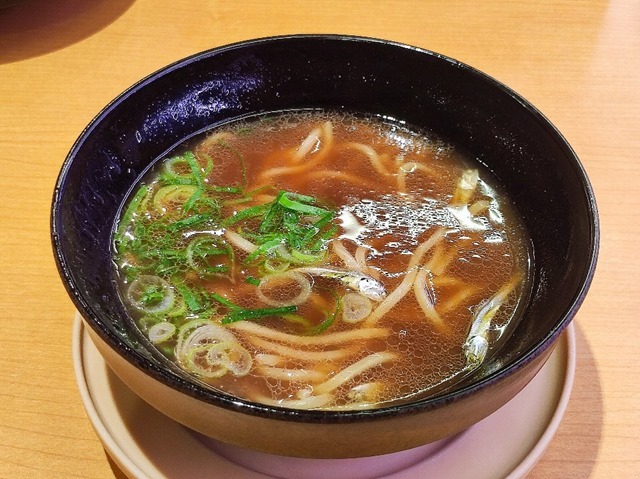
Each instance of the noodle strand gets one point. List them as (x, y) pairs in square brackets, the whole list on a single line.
[(353, 370), (299, 354), (405, 286), (324, 340)]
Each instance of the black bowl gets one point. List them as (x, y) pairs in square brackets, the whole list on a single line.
[(527, 155)]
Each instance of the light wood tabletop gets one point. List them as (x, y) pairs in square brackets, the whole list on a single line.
[(62, 61)]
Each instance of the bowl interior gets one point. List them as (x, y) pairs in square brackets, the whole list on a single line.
[(527, 155)]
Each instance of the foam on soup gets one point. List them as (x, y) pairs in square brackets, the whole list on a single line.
[(321, 260)]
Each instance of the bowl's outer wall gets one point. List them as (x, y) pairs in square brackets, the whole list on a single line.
[(318, 440), (527, 155)]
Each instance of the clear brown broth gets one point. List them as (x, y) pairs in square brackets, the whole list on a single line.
[(478, 255)]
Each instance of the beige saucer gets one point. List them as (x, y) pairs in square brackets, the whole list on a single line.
[(148, 445)]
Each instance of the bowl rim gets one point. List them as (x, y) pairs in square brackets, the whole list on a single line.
[(217, 398)]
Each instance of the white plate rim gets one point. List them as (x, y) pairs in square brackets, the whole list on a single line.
[(564, 357)]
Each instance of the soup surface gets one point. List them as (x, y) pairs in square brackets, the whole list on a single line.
[(321, 260)]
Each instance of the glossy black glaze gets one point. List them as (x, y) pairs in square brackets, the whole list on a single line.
[(525, 152)]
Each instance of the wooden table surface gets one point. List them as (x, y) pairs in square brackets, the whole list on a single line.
[(61, 61)]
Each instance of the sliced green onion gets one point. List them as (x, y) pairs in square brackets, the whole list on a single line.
[(223, 301), (263, 249), (242, 314), (196, 171), (198, 333), (281, 252), (241, 215), (190, 298), (277, 279), (189, 325), (202, 250), (317, 226), (146, 322), (195, 361), (272, 265), (192, 200), (301, 207), (151, 294), (226, 189), (189, 221), (269, 217), (178, 194), (232, 355), (161, 332), (322, 238), (130, 211), (171, 165), (179, 308), (209, 166), (214, 360), (238, 313), (307, 258)]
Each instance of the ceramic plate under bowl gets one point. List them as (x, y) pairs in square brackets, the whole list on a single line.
[(145, 444)]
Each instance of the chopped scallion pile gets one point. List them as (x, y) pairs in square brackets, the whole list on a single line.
[(173, 229)]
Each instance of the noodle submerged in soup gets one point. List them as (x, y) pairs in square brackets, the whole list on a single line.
[(321, 260)]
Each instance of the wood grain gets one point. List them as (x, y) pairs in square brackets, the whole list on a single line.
[(62, 61)]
